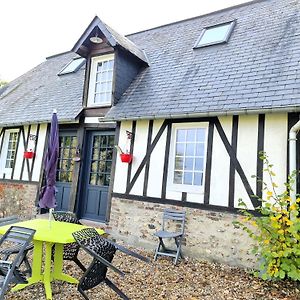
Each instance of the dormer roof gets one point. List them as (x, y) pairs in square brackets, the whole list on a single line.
[(110, 37)]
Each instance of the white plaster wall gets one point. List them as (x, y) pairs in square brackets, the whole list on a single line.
[(19, 157), (139, 151), (275, 145), (220, 165), (121, 168), (247, 156), (39, 150), (157, 162)]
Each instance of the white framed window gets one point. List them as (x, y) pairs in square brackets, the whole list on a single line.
[(188, 157), (9, 151), (216, 34), (101, 80)]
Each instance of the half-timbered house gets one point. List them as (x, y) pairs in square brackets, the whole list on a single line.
[(192, 102)]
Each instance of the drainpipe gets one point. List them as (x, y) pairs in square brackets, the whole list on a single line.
[(292, 157)]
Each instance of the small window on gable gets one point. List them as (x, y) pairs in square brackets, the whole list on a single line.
[(101, 80), (73, 66), (216, 34)]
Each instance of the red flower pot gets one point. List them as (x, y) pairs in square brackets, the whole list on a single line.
[(126, 158), (28, 154)]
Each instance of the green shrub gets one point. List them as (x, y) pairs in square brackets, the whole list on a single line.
[(276, 231)]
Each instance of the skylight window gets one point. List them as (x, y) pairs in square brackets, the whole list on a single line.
[(216, 34), (73, 66)]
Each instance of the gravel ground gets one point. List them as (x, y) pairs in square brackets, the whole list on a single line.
[(191, 279)]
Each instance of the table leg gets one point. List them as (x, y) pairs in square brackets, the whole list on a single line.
[(47, 271), (37, 275), (58, 266)]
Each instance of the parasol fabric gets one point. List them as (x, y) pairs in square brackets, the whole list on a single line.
[(47, 194)]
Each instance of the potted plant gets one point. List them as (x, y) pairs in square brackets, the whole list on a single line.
[(125, 157), (29, 154)]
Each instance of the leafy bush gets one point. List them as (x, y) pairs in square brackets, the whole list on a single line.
[(277, 230)]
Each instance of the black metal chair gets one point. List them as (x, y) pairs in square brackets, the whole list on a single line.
[(70, 250), (9, 270), (102, 251), (7, 252), (177, 217)]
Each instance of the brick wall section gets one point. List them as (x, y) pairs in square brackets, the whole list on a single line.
[(209, 235), (17, 199)]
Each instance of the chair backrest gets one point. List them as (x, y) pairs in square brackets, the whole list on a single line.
[(8, 269), (174, 216), (65, 216), (90, 240)]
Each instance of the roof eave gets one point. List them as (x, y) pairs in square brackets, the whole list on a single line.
[(209, 114)]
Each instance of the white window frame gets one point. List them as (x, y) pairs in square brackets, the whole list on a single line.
[(92, 82), (3, 157), (170, 181), (221, 41)]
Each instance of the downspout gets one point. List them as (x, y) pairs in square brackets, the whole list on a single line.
[(292, 158)]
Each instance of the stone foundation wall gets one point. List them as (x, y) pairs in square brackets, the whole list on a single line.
[(208, 235), (17, 199)]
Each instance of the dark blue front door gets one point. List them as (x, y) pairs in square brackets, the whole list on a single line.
[(67, 150), (96, 175)]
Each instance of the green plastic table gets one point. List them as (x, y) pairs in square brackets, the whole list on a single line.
[(58, 234)]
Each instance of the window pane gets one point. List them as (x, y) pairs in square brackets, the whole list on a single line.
[(179, 163), (180, 135), (200, 149), (199, 164), (178, 177), (200, 135), (191, 133), (188, 178), (198, 178), (72, 66), (215, 34), (189, 164), (190, 149), (180, 149)]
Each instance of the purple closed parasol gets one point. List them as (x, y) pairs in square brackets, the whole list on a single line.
[(47, 194)]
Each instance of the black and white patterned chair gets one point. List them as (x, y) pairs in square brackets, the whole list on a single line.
[(102, 251), (70, 250)]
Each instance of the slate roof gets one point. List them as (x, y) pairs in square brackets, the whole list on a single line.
[(257, 70), (32, 97)]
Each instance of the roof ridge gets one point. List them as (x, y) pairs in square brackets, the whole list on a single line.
[(196, 17)]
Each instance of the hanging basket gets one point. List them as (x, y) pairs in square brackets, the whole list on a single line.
[(29, 154), (126, 158)]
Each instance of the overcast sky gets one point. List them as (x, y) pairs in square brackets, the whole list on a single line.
[(31, 30)]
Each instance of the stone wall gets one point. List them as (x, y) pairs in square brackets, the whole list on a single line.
[(209, 235), (17, 199)]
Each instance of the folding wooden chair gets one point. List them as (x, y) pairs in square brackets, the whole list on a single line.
[(178, 220), (9, 270), (102, 251), (70, 250)]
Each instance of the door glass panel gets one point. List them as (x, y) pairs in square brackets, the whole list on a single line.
[(67, 151), (100, 165)]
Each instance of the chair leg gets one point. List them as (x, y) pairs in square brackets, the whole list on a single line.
[(79, 264), (80, 290), (160, 243), (116, 289), (178, 252)]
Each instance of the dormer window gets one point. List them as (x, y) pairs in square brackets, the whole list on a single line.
[(101, 79), (217, 34)]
